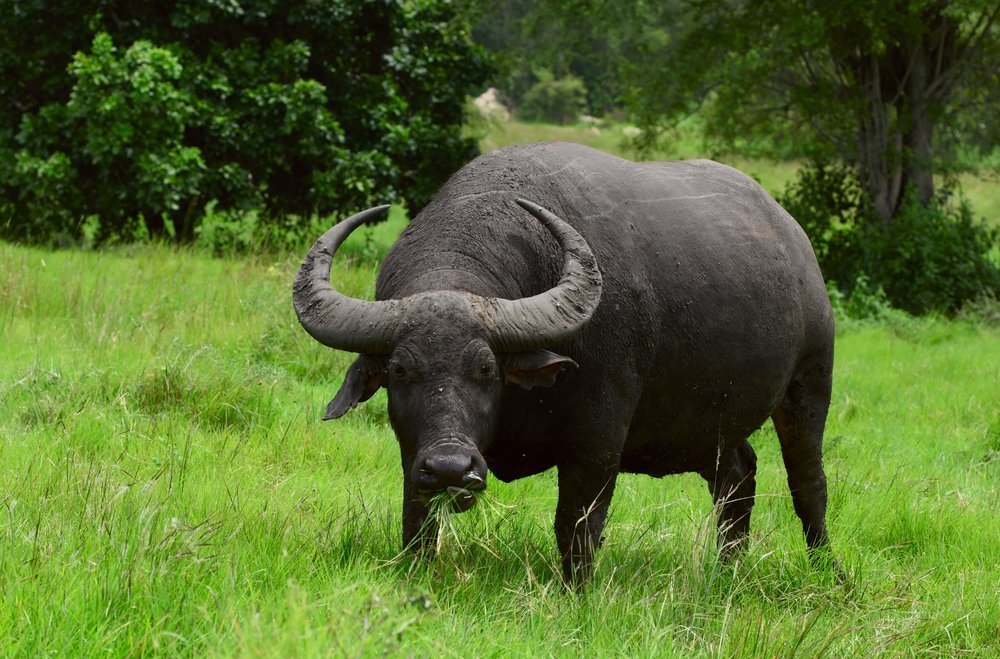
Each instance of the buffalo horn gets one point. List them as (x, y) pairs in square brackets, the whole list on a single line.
[(548, 318), (334, 319), (557, 314)]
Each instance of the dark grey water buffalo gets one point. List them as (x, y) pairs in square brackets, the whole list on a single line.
[(627, 317)]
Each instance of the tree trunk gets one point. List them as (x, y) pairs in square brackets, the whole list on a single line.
[(919, 127), (879, 141), (896, 125), (901, 89)]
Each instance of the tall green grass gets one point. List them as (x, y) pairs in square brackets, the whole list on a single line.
[(166, 486)]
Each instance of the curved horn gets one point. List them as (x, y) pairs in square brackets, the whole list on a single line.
[(557, 314), (336, 320)]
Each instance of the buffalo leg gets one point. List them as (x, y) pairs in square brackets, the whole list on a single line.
[(733, 485), (584, 496), (799, 422), (418, 530)]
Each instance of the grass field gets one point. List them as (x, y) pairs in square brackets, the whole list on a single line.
[(168, 487)]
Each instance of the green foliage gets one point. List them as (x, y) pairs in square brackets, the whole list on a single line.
[(229, 233), (553, 100), (864, 302), (827, 201), (232, 233), (127, 116), (569, 38), (984, 309), (147, 112), (933, 257), (890, 88)]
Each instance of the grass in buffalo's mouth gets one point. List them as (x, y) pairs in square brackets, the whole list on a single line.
[(442, 518), (442, 515)]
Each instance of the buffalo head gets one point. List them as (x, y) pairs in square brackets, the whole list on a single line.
[(444, 357)]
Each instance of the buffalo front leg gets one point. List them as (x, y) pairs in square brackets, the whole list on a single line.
[(584, 496), (418, 530), (733, 485)]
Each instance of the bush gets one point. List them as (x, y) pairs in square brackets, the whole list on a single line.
[(554, 100), (934, 257), (928, 258), (234, 232), (864, 302), (146, 113)]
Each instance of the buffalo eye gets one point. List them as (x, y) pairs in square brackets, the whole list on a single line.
[(487, 370), (398, 371)]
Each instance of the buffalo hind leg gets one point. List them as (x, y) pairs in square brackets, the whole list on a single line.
[(584, 497), (733, 484), (799, 421)]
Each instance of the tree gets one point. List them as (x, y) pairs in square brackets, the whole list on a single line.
[(886, 86), (151, 110), (877, 95), (533, 42)]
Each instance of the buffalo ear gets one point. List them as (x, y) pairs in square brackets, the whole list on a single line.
[(538, 368), (363, 379)]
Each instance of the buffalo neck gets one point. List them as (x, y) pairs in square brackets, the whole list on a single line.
[(484, 248)]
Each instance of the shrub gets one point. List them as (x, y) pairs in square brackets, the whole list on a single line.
[(934, 257), (864, 302), (554, 100), (146, 113), (931, 257), (234, 232)]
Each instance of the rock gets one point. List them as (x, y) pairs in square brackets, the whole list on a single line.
[(491, 105)]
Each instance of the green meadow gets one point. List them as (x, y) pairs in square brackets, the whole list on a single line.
[(167, 487)]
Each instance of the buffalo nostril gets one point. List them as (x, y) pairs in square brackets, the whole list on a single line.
[(426, 479), (474, 482)]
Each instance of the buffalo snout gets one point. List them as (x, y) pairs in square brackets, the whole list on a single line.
[(461, 473)]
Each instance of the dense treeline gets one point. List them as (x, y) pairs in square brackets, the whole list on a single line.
[(131, 117), (123, 120)]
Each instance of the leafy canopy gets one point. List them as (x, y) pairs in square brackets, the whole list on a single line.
[(890, 88), (147, 111)]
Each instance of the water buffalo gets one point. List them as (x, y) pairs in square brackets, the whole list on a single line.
[(555, 306)]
